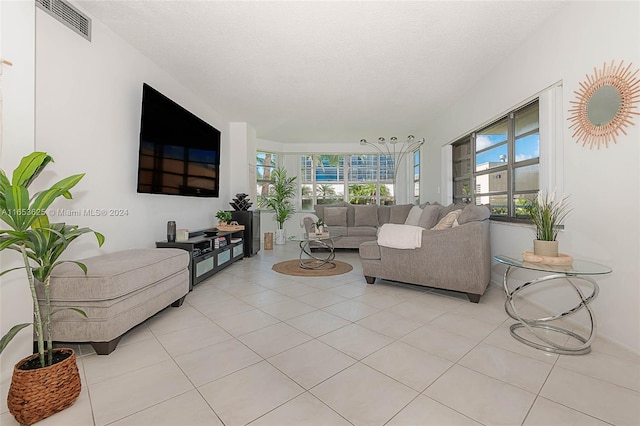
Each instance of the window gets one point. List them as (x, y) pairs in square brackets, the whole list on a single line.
[(266, 162), (370, 179), (416, 176), (367, 179), (501, 163), (322, 179)]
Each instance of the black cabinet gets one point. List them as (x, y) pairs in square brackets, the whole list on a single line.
[(207, 257), (251, 221)]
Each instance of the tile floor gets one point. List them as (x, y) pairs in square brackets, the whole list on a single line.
[(251, 346)]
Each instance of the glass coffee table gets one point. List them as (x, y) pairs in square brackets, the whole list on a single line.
[(540, 327), (309, 260)]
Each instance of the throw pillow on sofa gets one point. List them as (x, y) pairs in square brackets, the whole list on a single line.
[(335, 216), (366, 215), (445, 210), (399, 213), (429, 216), (449, 221), (472, 213), (414, 216)]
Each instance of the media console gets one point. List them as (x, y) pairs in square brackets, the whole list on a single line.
[(207, 256)]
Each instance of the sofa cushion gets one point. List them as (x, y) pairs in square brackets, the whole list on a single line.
[(448, 221), (429, 216), (338, 231), (399, 213), (414, 216), (366, 215), (335, 216), (473, 213), (362, 231), (384, 215), (116, 274)]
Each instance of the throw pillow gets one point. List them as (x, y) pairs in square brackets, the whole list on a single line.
[(447, 221), (414, 216), (429, 216), (366, 215), (335, 216), (445, 210), (384, 215), (399, 213), (473, 213)]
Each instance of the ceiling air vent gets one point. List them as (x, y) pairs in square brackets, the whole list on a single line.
[(68, 15)]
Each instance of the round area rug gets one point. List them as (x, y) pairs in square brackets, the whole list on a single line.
[(292, 267)]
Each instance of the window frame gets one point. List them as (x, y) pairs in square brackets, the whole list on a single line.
[(261, 182), (345, 182), (511, 165)]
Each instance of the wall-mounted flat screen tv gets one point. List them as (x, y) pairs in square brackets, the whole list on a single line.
[(179, 153)]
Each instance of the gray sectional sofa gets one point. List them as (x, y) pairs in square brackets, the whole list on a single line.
[(455, 252), (356, 223), (455, 258)]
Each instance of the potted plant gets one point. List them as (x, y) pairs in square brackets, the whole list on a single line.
[(279, 200), (52, 373), (547, 215), (224, 217), (319, 224)]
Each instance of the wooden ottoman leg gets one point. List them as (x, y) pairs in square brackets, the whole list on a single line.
[(370, 280), (473, 298), (179, 302), (105, 348)]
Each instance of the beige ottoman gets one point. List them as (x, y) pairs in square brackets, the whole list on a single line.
[(119, 291)]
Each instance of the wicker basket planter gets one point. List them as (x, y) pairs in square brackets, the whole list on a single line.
[(37, 394)]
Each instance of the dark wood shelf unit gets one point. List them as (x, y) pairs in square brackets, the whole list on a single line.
[(206, 260)]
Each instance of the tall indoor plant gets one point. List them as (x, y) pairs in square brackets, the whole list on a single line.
[(40, 245), (278, 199), (547, 214)]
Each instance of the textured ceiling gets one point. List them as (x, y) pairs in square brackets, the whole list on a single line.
[(328, 71)]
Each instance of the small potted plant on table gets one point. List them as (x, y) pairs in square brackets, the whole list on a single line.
[(547, 214), (319, 226), (224, 217)]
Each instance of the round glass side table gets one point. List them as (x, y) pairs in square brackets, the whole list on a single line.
[(539, 327), (310, 261)]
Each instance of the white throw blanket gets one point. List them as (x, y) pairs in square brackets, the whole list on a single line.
[(400, 236)]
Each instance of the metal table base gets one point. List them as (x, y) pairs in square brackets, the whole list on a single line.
[(534, 324), (313, 261)]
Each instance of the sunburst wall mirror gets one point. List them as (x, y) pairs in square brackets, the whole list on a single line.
[(605, 105)]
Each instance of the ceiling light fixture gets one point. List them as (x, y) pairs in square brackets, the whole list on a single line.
[(391, 149)]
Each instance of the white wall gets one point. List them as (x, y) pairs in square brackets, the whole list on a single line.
[(17, 45), (243, 160), (88, 100), (604, 184)]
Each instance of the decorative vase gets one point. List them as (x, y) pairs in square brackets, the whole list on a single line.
[(545, 248), (38, 393), (319, 229), (280, 236)]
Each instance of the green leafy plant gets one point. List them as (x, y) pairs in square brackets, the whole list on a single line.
[(547, 215), (318, 223), (279, 197), (39, 242), (224, 216)]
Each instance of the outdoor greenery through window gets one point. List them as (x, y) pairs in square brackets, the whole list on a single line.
[(365, 178), (500, 164), (266, 162)]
